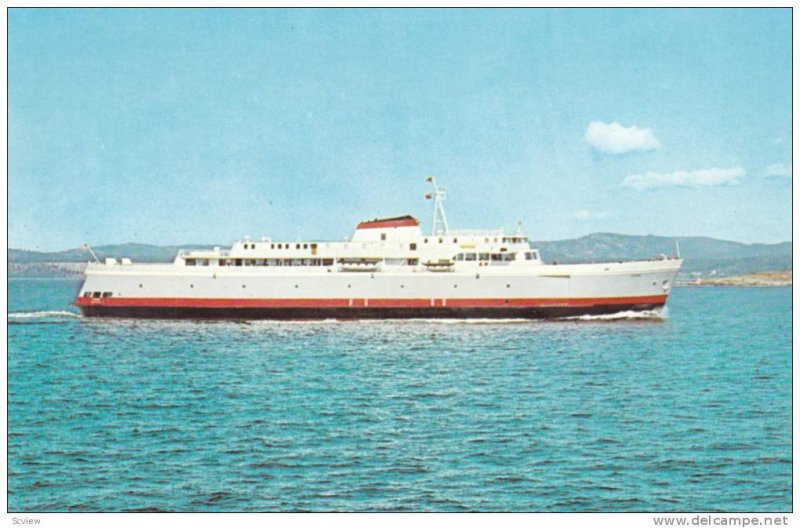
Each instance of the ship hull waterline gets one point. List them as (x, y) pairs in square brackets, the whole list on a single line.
[(440, 310)]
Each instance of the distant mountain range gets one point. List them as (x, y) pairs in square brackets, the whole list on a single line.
[(703, 256), (71, 262), (135, 252)]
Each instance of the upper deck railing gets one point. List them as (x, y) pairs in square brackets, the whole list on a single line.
[(478, 232), (190, 252)]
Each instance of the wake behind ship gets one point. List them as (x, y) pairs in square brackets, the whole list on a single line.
[(387, 269)]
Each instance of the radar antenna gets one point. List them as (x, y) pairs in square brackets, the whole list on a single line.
[(439, 219)]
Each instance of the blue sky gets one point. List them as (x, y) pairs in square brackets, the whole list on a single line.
[(201, 126)]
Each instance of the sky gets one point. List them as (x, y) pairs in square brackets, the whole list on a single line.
[(177, 126)]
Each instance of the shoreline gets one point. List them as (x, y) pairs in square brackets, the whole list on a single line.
[(764, 279)]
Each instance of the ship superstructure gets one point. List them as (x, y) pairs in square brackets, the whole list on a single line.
[(388, 268)]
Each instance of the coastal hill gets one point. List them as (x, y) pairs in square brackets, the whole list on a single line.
[(704, 256), (135, 252)]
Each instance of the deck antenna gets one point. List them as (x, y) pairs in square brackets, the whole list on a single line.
[(439, 219), (86, 247), (677, 248)]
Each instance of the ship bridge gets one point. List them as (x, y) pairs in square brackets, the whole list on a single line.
[(398, 228)]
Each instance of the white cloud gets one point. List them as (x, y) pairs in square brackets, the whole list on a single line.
[(697, 178), (616, 139), (592, 215), (778, 169)]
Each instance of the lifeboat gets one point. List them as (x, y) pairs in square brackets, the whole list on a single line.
[(439, 265), (360, 264)]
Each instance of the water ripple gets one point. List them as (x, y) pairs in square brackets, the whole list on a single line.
[(685, 413)]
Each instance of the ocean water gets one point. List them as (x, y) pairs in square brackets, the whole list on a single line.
[(688, 411)]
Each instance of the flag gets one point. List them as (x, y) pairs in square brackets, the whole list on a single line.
[(429, 179), (428, 196), (85, 247)]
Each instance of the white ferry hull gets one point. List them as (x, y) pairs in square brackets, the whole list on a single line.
[(548, 291)]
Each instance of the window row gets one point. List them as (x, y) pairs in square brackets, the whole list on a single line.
[(259, 262), (285, 246), (455, 240), (97, 294), (486, 257), (504, 240)]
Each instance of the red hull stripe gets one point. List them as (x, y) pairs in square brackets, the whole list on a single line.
[(405, 222), (370, 303)]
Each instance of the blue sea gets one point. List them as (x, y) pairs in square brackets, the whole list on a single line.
[(684, 411)]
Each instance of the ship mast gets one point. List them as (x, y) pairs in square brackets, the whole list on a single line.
[(439, 219), (85, 247)]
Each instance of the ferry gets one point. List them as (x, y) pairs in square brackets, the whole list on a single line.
[(387, 269)]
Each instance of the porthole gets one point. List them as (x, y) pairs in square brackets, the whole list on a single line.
[(296, 286), (244, 286), (140, 285), (508, 285), (455, 285), (191, 285), (402, 286), (349, 286)]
